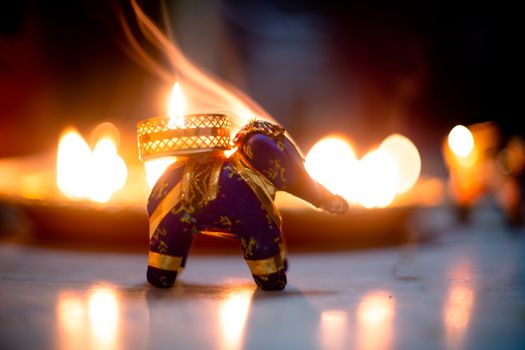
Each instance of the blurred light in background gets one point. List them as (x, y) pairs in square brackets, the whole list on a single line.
[(407, 159), (372, 181), (332, 162), (461, 141), (82, 173)]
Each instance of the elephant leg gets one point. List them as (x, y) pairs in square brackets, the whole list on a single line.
[(268, 273), (168, 251), (269, 281), (265, 256)]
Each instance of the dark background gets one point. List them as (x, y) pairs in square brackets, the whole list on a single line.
[(364, 69)]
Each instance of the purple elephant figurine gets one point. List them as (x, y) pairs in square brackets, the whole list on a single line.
[(211, 194)]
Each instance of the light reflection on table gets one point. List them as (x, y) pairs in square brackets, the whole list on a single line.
[(233, 313), (333, 328), (88, 320), (95, 318), (91, 320), (375, 316), (103, 317), (459, 304), (469, 294), (71, 321)]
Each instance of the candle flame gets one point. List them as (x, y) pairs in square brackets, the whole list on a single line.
[(109, 171), (177, 107), (377, 179), (73, 158), (176, 110), (332, 162), (372, 181), (461, 141), (407, 158), (82, 173)]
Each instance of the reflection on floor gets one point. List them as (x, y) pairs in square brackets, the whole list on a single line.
[(464, 289)]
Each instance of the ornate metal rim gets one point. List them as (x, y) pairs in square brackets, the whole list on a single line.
[(200, 133)]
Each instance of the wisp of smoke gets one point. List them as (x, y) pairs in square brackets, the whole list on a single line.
[(204, 92)]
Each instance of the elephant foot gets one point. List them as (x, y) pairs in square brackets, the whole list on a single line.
[(273, 281), (161, 278)]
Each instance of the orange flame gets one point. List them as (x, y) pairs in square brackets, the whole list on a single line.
[(377, 179), (177, 107), (372, 181), (82, 173), (461, 141), (332, 162), (407, 159)]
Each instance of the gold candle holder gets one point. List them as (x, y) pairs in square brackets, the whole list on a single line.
[(197, 133)]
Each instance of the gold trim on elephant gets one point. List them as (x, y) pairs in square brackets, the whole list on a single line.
[(163, 208), (165, 262), (200, 181), (198, 186), (266, 266)]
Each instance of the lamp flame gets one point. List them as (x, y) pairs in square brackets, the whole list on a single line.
[(109, 171), (461, 141), (73, 158), (176, 110), (177, 107), (377, 179), (372, 181), (332, 162), (82, 173), (407, 159)]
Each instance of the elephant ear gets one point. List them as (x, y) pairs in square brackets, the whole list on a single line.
[(258, 126)]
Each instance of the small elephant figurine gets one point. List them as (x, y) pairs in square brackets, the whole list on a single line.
[(211, 194)]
